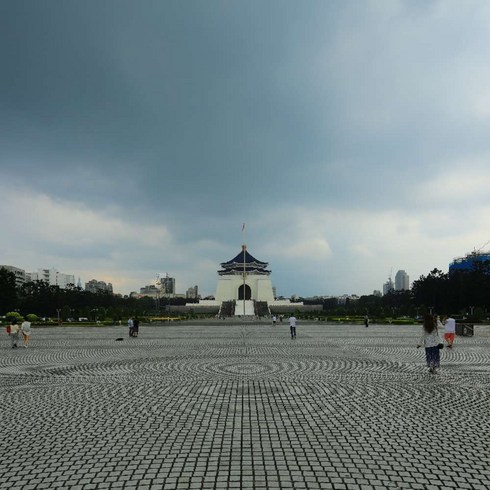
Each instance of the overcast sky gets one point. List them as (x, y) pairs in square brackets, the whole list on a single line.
[(352, 138)]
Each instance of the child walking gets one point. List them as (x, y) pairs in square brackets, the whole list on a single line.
[(431, 340)]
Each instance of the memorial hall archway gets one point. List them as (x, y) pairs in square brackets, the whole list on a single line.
[(248, 292)]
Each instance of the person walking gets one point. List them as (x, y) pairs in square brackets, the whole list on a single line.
[(274, 319), (14, 333), (292, 326), (25, 328), (438, 321), (432, 342), (449, 330), (366, 321), (136, 327), (130, 326)]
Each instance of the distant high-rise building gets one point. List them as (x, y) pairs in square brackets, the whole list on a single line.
[(192, 293), (167, 284), (53, 277), (388, 286), (402, 281), (377, 292)]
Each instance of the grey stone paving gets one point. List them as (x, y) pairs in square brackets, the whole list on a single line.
[(243, 406)]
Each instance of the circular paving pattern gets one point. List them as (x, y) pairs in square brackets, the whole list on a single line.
[(239, 406)]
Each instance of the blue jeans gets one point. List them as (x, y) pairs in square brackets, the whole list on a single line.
[(432, 356)]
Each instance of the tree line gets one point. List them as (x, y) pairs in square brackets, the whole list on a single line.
[(461, 293), (44, 300)]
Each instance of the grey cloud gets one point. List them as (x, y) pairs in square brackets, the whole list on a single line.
[(201, 115)]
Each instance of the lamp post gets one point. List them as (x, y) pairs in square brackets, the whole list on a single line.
[(58, 310), (158, 284)]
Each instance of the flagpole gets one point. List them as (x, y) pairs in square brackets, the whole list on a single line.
[(244, 247)]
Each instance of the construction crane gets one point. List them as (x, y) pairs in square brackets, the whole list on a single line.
[(482, 247)]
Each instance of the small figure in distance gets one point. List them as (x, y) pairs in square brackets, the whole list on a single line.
[(449, 330), (136, 327), (25, 328), (292, 326), (366, 321), (437, 319), (431, 340), (274, 319), (131, 326)]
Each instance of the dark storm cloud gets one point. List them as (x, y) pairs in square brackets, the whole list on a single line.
[(197, 116), (187, 97)]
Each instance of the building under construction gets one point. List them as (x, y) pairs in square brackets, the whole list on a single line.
[(469, 261)]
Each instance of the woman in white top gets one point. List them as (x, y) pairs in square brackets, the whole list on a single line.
[(25, 328), (431, 340)]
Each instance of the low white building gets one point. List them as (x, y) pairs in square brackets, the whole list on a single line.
[(53, 277)]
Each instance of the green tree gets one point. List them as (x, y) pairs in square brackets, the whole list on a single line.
[(14, 315), (111, 313), (432, 291), (65, 312), (8, 292), (102, 314), (38, 297)]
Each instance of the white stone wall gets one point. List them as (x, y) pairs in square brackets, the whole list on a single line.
[(261, 287)]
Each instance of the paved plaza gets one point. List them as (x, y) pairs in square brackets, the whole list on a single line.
[(237, 405)]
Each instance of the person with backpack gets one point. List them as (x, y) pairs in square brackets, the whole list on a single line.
[(14, 333)]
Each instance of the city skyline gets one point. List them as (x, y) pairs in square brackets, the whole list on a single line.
[(165, 283), (350, 137)]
